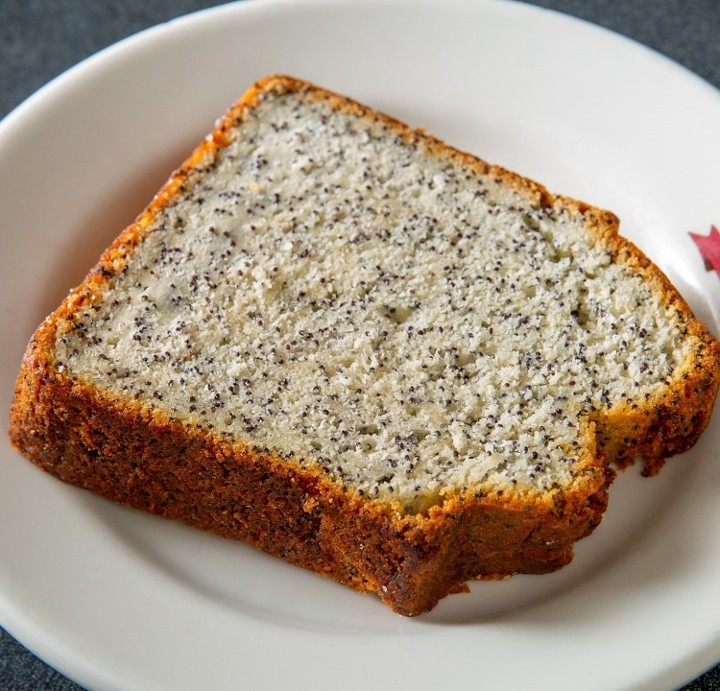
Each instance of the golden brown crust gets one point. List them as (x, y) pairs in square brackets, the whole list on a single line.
[(142, 460), (167, 468), (174, 469)]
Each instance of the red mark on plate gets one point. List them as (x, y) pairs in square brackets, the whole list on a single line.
[(709, 246)]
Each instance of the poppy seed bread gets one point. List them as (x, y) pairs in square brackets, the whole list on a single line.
[(363, 351)]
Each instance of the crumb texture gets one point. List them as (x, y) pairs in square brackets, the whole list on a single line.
[(349, 297)]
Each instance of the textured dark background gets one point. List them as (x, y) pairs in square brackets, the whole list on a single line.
[(39, 39)]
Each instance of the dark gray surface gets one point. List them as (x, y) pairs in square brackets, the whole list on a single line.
[(39, 39)]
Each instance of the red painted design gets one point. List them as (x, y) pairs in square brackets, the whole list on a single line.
[(709, 246)]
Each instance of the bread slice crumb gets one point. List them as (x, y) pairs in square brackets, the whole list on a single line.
[(424, 363)]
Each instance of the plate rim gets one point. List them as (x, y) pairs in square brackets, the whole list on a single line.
[(47, 644)]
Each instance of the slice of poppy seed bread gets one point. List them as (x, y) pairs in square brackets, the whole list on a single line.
[(368, 353)]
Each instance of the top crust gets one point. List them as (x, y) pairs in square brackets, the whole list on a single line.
[(412, 542)]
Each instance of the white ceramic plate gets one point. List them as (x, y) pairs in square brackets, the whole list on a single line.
[(118, 599)]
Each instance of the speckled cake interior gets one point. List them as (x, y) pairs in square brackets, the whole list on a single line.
[(342, 296)]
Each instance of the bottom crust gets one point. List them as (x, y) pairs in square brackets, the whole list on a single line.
[(164, 467)]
